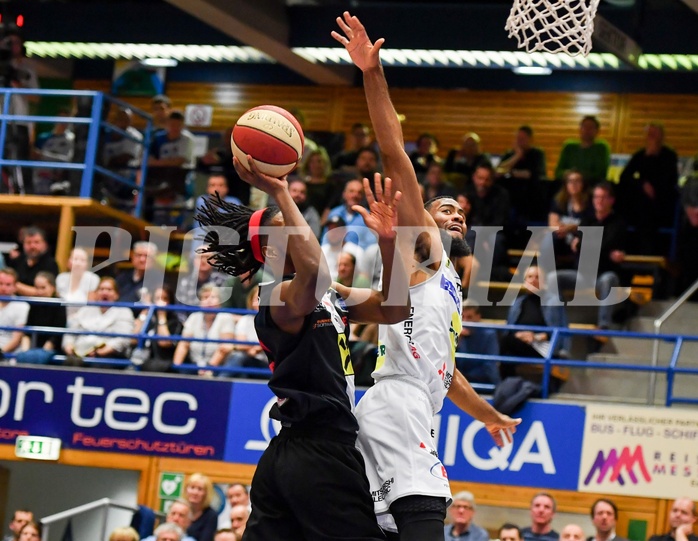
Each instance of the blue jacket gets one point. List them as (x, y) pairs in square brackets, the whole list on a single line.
[(555, 316)]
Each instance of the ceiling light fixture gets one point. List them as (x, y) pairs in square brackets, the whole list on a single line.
[(531, 70), (159, 62)]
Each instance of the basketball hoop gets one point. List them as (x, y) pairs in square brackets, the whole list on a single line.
[(555, 26)]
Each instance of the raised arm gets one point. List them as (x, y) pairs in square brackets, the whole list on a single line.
[(371, 306), (386, 124), (312, 276)]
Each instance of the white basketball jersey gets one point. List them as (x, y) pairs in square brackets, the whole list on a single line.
[(424, 345)]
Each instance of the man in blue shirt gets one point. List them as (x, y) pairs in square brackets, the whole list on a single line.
[(462, 527), (357, 232)]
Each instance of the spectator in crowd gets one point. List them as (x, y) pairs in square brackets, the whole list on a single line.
[(100, 319), (201, 273), (31, 531), (347, 273), (490, 207), (237, 493), (77, 285), (520, 172), (170, 161), (157, 355), (524, 161), (131, 282), (490, 202), (124, 534), (682, 518), (219, 159), (238, 520), (687, 242), (169, 532), (604, 515), (216, 184), (39, 348), (612, 252), (589, 155), (247, 355), (424, 154), (367, 164), (435, 184), (570, 206), (208, 325), (464, 160), (299, 193), (198, 491), (352, 197), (309, 145), (57, 145), (461, 513), (647, 192), (543, 509), (477, 341), (359, 138), (160, 109), (510, 532), (572, 532), (179, 513), (225, 534), (35, 257), (120, 152), (316, 171), (12, 313), (20, 133), (528, 310), (20, 518), (335, 242)]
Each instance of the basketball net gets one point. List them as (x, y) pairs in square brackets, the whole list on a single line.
[(562, 26)]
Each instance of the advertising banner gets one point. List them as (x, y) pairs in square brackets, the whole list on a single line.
[(545, 453), (127, 413), (638, 451)]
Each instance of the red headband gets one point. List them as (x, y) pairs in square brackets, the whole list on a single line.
[(255, 220)]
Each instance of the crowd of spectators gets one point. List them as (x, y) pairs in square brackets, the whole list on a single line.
[(191, 518), (500, 196)]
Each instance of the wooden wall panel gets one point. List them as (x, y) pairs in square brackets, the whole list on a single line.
[(448, 114)]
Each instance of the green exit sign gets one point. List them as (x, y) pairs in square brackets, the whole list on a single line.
[(37, 447)]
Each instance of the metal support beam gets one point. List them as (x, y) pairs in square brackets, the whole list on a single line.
[(262, 24), (615, 41)]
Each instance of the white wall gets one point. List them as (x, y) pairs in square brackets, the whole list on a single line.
[(47, 488)]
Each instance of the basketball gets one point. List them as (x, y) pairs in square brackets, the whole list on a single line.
[(272, 136)]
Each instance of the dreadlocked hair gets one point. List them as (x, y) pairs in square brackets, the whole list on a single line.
[(220, 219)]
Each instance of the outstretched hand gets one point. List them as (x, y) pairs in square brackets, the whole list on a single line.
[(363, 53), (502, 429), (254, 177), (382, 214)]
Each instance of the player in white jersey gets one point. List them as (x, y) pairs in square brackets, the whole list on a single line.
[(416, 366)]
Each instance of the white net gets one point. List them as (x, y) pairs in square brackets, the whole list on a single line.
[(557, 26)]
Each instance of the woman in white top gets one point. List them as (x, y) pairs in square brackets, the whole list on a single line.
[(207, 325), (78, 284), (248, 355)]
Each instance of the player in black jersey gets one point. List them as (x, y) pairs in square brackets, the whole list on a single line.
[(310, 483)]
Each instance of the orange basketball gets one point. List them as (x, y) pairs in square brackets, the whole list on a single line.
[(272, 136)]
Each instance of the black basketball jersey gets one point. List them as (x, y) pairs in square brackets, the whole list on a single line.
[(312, 373)]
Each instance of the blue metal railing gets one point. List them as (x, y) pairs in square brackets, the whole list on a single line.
[(96, 128), (547, 362)]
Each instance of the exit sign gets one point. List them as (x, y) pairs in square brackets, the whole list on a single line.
[(37, 447)]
